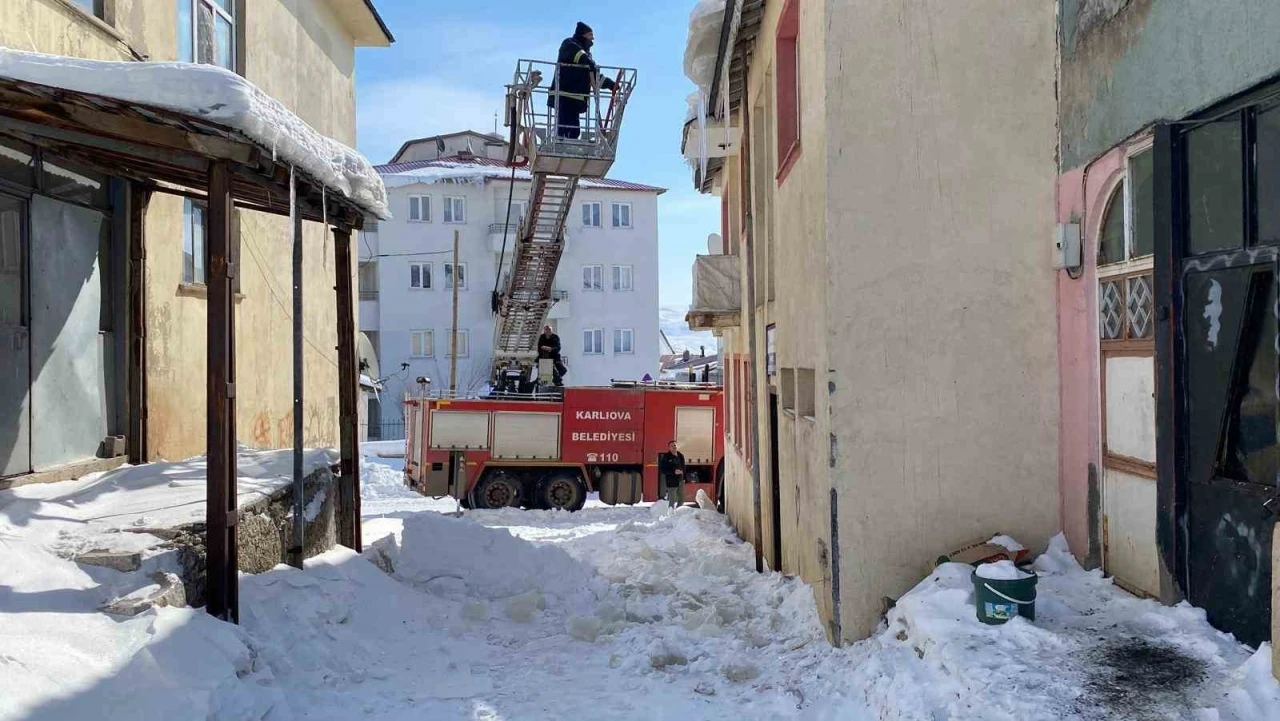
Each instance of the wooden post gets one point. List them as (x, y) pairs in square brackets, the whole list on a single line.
[(223, 592), (136, 441), (348, 386), (296, 554), (453, 329)]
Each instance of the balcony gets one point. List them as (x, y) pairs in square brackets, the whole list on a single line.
[(496, 231), (717, 293), (560, 307)]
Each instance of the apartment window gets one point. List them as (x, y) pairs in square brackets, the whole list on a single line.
[(787, 50), (420, 275), (622, 277), (420, 208), (368, 281), (464, 344), (455, 210), (591, 215), (622, 215), (207, 32), (1128, 225), (423, 344), (593, 341), (193, 237), (593, 277), (450, 272), (624, 341)]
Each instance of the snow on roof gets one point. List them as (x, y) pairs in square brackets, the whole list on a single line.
[(459, 169), (703, 45), (215, 95)]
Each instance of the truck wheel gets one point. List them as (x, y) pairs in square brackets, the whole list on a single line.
[(564, 491), (497, 490)]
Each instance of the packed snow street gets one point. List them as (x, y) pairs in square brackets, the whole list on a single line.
[(608, 613)]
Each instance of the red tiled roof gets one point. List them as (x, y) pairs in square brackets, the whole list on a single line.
[(454, 160)]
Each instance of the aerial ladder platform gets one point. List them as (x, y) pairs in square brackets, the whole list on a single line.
[(557, 163)]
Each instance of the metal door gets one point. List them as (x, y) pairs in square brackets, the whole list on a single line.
[(1232, 455), (15, 347)]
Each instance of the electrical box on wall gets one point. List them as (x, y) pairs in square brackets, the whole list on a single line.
[(1066, 246)]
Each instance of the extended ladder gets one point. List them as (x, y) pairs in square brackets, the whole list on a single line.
[(556, 164)]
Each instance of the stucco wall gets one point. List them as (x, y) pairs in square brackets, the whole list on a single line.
[(300, 54), (54, 26), (942, 329), (1125, 64)]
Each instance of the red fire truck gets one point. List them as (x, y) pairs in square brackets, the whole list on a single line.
[(501, 451)]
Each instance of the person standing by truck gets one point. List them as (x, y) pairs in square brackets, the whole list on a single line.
[(671, 473)]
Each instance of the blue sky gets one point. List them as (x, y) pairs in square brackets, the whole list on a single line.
[(451, 60)]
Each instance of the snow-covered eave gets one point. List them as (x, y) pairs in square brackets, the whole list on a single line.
[(199, 102)]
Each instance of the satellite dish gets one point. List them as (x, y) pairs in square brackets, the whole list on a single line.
[(366, 353), (715, 244)]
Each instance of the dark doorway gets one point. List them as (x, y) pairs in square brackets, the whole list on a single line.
[(15, 347), (1217, 245), (775, 483)]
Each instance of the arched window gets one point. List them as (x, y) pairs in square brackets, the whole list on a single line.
[(1111, 237)]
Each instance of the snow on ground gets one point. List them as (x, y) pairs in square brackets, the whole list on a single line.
[(98, 510), (608, 613), (217, 95)]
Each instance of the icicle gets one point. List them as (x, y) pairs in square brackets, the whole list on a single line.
[(324, 213), (702, 134)]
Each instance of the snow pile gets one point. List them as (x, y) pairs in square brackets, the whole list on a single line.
[(62, 659), (1009, 543), (96, 511), (1094, 652), (1001, 571), (217, 95), (703, 44), (380, 482), (459, 558)]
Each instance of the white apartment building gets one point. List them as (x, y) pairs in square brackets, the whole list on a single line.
[(606, 311)]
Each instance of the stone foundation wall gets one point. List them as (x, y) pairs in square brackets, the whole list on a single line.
[(266, 533)]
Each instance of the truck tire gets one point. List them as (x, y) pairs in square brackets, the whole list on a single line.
[(562, 490), (497, 490), (608, 488)]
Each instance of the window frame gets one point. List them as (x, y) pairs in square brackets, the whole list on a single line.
[(597, 337), (615, 219), (429, 346), (595, 209), (787, 88), (421, 204), (598, 286), (230, 16), (448, 276), (464, 341), (620, 348), (617, 278), (189, 240), (424, 272), (449, 215)]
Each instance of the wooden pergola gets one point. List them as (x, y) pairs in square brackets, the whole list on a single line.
[(164, 150)]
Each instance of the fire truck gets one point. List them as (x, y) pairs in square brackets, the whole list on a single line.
[(533, 452)]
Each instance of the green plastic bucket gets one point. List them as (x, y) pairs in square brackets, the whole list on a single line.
[(999, 601)]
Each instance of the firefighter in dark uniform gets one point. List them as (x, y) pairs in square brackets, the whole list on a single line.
[(549, 348), (575, 73)]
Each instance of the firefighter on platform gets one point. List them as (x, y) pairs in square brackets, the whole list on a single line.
[(549, 348), (671, 473), (576, 74)]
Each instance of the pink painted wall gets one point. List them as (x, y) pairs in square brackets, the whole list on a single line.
[(1081, 191)]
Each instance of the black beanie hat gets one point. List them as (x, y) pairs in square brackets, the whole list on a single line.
[(581, 30)]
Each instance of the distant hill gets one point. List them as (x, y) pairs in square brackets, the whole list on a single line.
[(671, 320)]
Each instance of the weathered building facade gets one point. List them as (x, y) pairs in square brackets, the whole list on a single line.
[(1170, 136), (124, 374), (887, 180)]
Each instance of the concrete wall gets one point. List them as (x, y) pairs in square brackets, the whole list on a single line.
[(401, 309), (940, 210), (1125, 64)]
